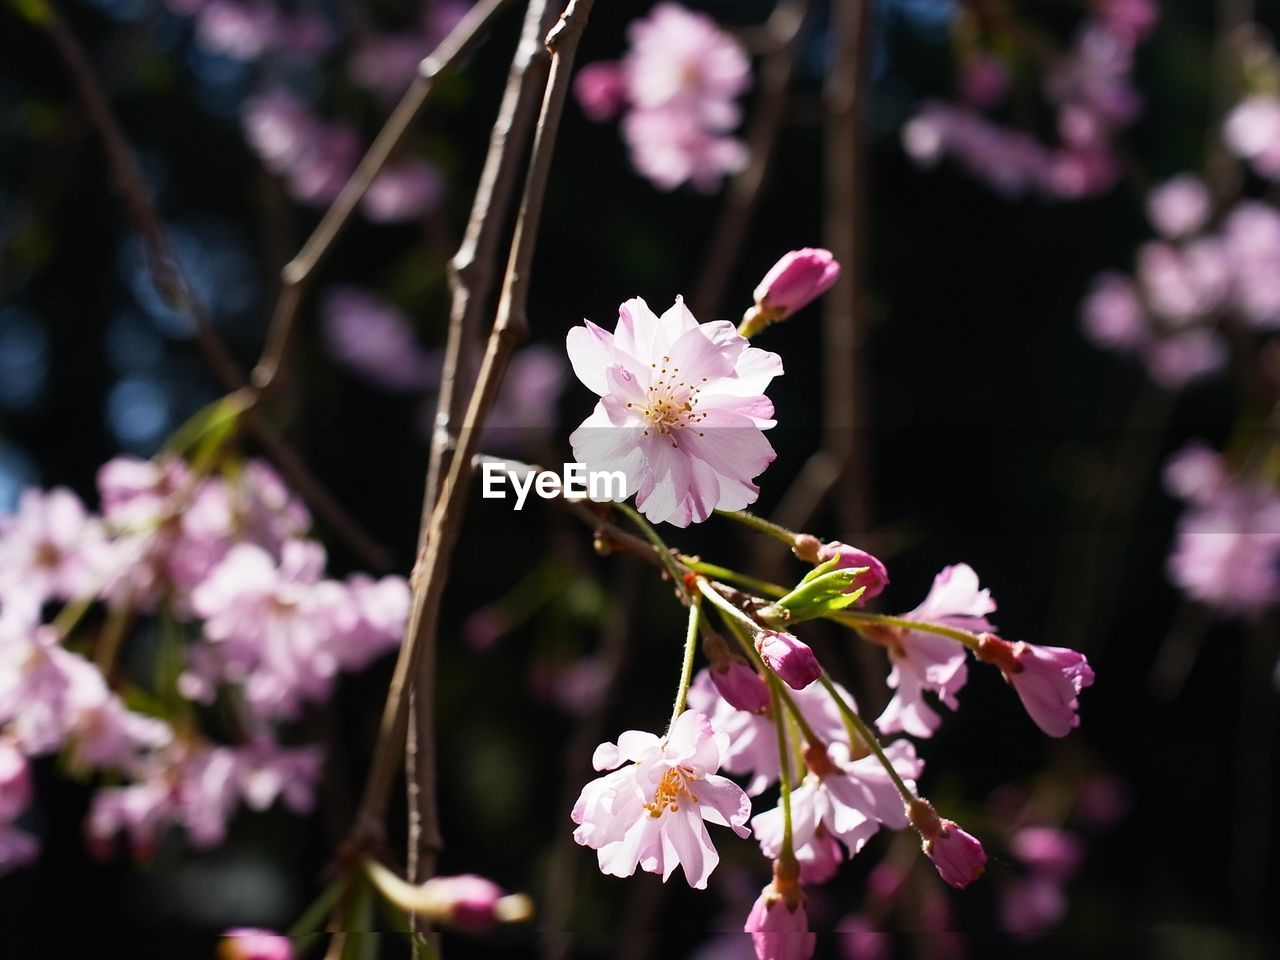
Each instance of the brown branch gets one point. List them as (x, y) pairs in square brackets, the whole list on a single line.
[(782, 36), (472, 272), (446, 519), (167, 274), (470, 30)]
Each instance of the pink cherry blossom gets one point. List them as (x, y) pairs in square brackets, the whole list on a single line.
[(796, 280), (1113, 315), (1031, 906), (468, 902), (1251, 235), (848, 798), (50, 549), (408, 190), (245, 943), (265, 772), (279, 127), (670, 147), (958, 855), (1179, 360), (1179, 207), (681, 412), (240, 29), (680, 59), (650, 813), (1050, 851), (779, 926), (15, 781), (924, 661), (386, 64), (1048, 680), (374, 339), (41, 689), (601, 89), (1252, 132)]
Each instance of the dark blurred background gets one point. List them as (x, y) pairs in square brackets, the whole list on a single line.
[(998, 437)]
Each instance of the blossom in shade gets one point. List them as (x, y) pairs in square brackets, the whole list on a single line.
[(1112, 314), (796, 280), (791, 659), (652, 811), (265, 772), (15, 781), (958, 855), (374, 339), (1048, 680), (681, 411), (737, 682), (50, 549), (601, 89), (1177, 361), (246, 943), (778, 922), (924, 661), (1179, 207), (403, 191)]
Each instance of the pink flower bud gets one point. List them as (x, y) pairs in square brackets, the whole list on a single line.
[(796, 280), (15, 782), (1046, 679), (958, 855), (471, 902), (601, 89), (245, 943), (778, 922), (789, 658), (875, 579), (741, 686)]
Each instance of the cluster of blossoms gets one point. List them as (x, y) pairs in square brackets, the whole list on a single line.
[(315, 159), (217, 571), (376, 341), (1227, 553), (681, 414), (1090, 88), (1189, 281), (677, 87)]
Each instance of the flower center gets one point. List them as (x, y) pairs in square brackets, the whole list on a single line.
[(671, 401), (673, 784)]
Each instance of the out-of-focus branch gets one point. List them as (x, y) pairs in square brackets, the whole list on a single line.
[(470, 30), (782, 34), (509, 327), (170, 280), (472, 273)]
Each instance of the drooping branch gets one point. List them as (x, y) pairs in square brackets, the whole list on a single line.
[(509, 327), (472, 274)]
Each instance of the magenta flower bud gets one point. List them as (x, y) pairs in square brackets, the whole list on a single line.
[(876, 577), (1046, 679), (15, 782), (789, 658), (245, 943), (601, 89), (470, 902), (795, 281), (741, 686), (958, 855), (778, 922)]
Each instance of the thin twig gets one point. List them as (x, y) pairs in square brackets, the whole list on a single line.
[(510, 325), (783, 32), (471, 277), (470, 30), (171, 282)]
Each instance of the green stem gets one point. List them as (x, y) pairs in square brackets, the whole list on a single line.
[(761, 525), (788, 854), (762, 587), (686, 669), (314, 916), (71, 615), (664, 552), (111, 638), (851, 618), (867, 736), (724, 605)]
